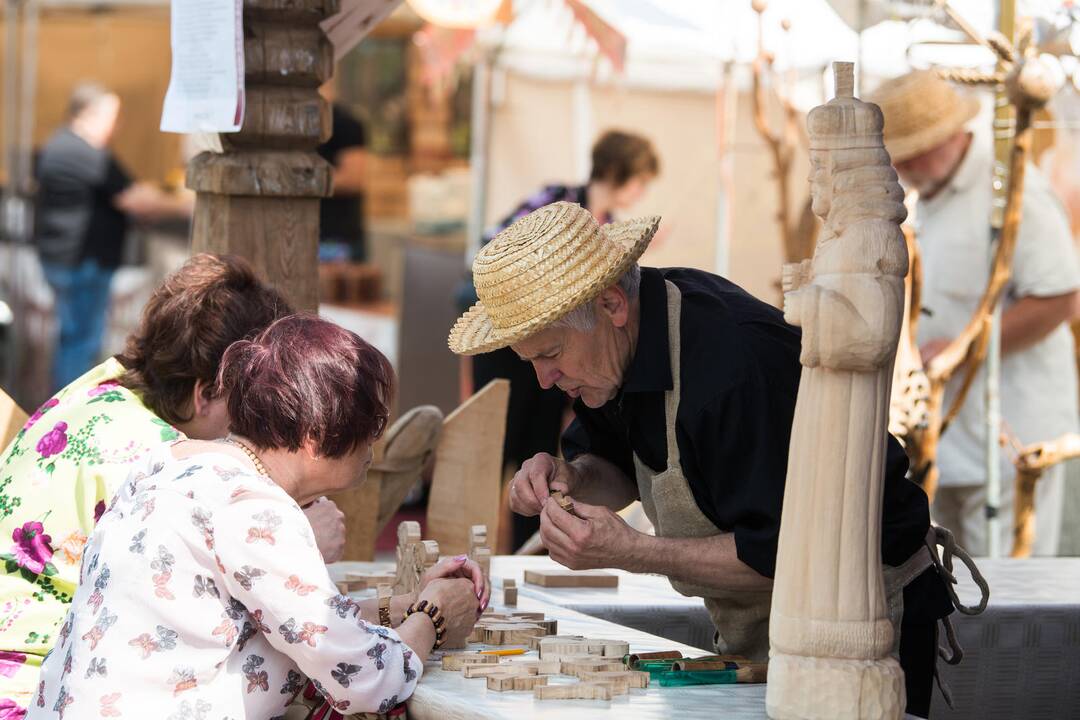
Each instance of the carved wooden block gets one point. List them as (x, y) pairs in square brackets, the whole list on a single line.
[(478, 671), (829, 631), (506, 682), (560, 646), (457, 661), (575, 691), (632, 678), (575, 667), (510, 592)]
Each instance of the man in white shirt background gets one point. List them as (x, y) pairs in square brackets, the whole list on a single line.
[(938, 151)]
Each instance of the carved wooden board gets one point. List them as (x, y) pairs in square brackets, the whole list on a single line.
[(465, 488)]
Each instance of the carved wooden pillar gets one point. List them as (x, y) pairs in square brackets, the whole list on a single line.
[(831, 630), (260, 198)]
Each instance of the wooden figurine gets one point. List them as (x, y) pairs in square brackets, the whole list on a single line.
[(414, 557), (510, 592), (571, 578), (829, 629), (576, 691), (479, 550), (514, 682)]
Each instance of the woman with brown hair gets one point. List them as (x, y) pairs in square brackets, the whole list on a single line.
[(225, 607), (61, 470)]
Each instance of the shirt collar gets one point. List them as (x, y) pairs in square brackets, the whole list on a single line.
[(650, 370), (974, 168)]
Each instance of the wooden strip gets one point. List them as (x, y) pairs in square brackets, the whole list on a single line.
[(478, 671), (514, 682), (457, 661), (575, 691), (633, 678), (571, 578)]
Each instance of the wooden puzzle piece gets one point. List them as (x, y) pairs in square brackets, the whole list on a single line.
[(559, 646), (564, 502), (510, 592), (571, 578), (477, 671), (575, 667), (509, 633)]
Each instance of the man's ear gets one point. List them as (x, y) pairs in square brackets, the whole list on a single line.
[(614, 303)]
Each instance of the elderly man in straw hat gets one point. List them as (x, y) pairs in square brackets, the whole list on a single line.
[(936, 153), (685, 389)]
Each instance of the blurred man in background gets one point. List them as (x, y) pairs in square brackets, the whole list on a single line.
[(84, 204), (950, 163), (341, 216)]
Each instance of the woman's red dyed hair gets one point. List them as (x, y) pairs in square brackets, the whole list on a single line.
[(306, 379)]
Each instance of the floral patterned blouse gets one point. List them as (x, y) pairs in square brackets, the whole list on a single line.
[(55, 479), (203, 595)]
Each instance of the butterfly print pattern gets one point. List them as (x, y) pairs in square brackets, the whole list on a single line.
[(219, 601)]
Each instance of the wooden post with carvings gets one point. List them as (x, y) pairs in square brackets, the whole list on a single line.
[(260, 198), (830, 634)]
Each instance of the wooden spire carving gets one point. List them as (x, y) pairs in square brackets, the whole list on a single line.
[(829, 632), (260, 198)]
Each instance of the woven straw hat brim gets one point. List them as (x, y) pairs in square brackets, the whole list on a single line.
[(908, 145), (474, 332)]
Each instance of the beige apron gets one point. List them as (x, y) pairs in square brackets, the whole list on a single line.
[(741, 618)]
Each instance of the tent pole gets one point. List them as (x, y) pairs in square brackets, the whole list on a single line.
[(478, 156)]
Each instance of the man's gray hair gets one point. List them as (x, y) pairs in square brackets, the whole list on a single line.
[(583, 317), (84, 95)]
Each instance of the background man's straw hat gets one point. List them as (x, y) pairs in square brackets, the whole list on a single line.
[(540, 268), (921, 112)]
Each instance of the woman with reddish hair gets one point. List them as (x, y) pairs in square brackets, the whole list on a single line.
[(61, 470), (225, 608)]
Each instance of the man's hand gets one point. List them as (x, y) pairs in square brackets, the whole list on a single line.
[(599, 538), (533, 483), (929, 350), (328, 524)]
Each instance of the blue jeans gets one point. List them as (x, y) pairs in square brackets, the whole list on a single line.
[(82, 301)]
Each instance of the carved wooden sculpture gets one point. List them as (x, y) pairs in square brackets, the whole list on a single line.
[(798, 234), (260, 199), (1031, 462), (829, 630), (414, 557), (1028, 88)]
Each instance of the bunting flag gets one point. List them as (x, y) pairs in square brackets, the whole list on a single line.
[(611, 42)]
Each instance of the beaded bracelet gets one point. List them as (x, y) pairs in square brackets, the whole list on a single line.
[(435, 615)]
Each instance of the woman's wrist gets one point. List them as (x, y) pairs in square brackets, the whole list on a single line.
[(420, 627)]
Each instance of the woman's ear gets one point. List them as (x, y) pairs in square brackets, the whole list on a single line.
[(201, 395)]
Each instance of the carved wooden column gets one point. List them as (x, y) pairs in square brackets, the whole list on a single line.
[(830, 632), (260, 198)]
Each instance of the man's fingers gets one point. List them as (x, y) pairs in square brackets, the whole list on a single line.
[(555, 539)]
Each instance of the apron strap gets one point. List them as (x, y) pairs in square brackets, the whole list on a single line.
[(671, 399), (953, 653)]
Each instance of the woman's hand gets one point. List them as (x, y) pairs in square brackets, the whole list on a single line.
[(328, 525), (456, 599), (459, 567)]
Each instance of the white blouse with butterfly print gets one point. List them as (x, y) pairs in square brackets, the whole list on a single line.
[(203, 595)]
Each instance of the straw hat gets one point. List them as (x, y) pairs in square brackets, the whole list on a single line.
[(540, 268), (921, 112)]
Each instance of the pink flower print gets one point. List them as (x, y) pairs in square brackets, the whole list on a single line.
[(51, 403), (103, 388), (10, 662), (54, 441), (32, 548), (99, 510), (10, 711)]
